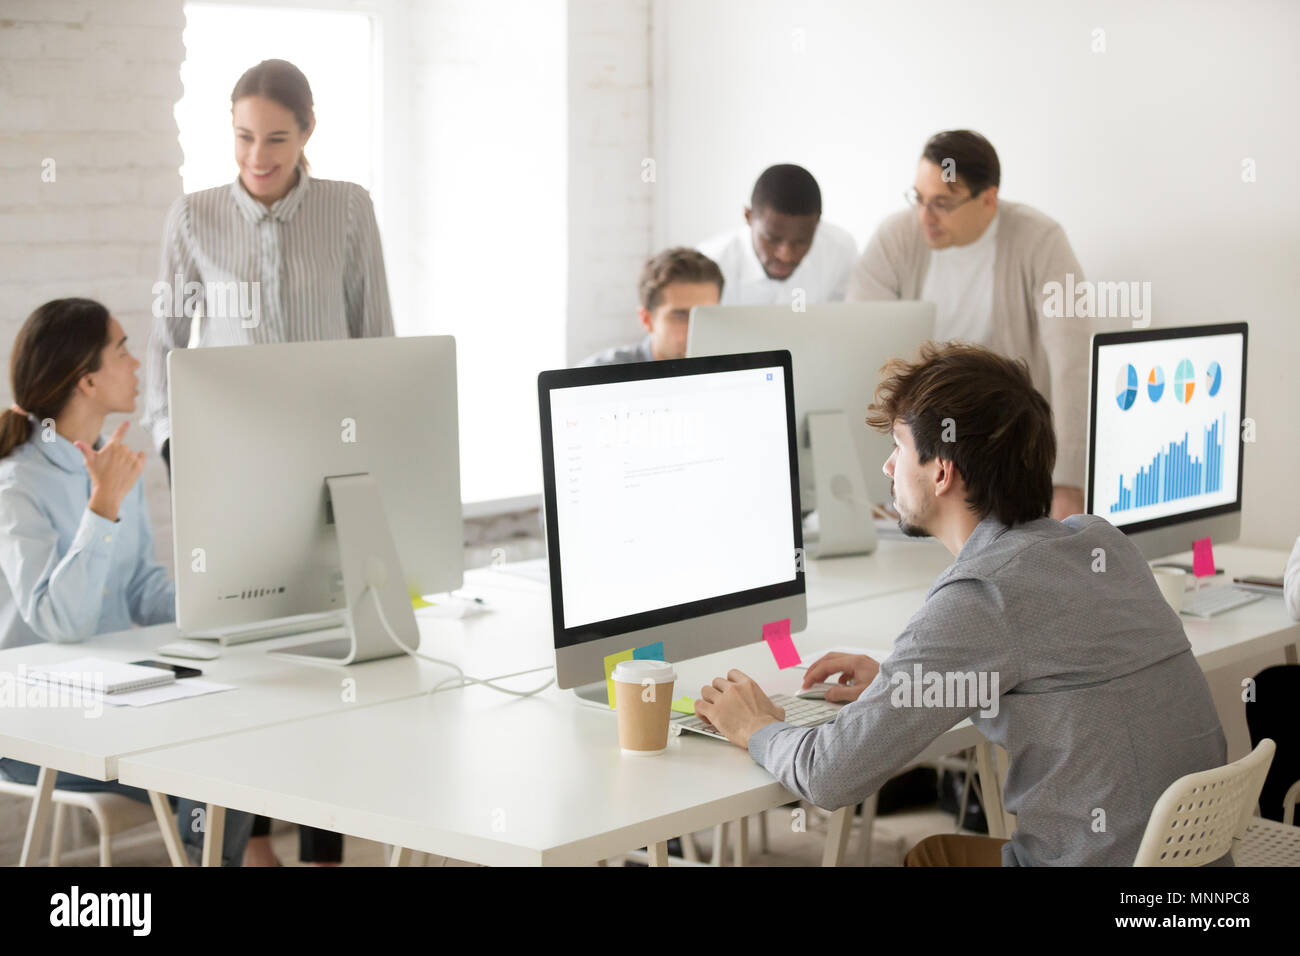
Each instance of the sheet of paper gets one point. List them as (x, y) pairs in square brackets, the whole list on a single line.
[(189, 687)]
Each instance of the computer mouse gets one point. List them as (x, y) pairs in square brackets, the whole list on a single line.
[(815, 692)]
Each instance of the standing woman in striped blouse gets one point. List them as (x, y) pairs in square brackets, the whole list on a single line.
[(279, 256), (275, 256)]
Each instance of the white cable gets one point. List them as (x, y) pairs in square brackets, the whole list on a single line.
[(460, 674)]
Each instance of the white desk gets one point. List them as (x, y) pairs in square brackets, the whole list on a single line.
[(189, 752), (479, 776), (474, 775), (896, 564), (268, 691)]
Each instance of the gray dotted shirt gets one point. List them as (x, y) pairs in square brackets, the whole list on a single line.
[(1100, 705)]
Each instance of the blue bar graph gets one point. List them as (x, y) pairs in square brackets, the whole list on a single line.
[(1174, 473)]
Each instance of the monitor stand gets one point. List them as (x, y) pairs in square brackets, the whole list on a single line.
[(368, 558), (597, 695), (845, 525)]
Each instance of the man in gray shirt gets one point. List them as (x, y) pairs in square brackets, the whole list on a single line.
[(1052, 637)]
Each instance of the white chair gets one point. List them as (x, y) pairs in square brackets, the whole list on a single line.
[(1202, 816), (113, 814), (1288, 803)]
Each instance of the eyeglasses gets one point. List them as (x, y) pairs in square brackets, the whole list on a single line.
[(939, 207)]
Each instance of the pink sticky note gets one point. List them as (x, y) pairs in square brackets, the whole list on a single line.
[(1202, 558), (777, 635)]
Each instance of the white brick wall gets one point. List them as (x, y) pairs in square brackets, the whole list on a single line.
[(610, 207), (90, 84)]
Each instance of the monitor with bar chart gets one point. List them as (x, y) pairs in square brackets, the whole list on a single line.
[(1165, 434)]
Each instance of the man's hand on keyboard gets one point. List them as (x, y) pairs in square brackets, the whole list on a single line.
[(856, 672), (737, 707)]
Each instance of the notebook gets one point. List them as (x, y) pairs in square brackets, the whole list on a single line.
[(96, 674)]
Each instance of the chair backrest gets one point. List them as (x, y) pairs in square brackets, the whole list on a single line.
[(1198, 816)]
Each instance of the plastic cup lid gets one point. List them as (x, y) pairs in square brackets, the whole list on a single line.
[(634, 672)]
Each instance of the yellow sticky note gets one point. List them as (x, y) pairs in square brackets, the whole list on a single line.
[(610, 663), (684, 705), (418, 602)]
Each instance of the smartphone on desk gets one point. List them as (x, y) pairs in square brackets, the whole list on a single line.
[(178, 669)]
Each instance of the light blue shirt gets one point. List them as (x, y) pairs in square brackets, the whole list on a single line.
[(69, 573)]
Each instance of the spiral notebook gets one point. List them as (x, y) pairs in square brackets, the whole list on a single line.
[(101, 676)]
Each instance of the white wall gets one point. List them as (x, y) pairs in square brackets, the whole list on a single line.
[(1137, 151), (486, 143), (610, 200), (91, 86)]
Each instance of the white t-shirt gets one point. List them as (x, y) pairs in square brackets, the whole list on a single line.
[(823, 273), (959, 282)]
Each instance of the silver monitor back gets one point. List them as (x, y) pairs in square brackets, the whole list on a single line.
[(257, 429), (837, 350)]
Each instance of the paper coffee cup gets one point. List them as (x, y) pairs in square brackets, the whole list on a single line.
[(643, 697), (1173, 583)]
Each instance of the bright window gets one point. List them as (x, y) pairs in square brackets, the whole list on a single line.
[(335, 51)]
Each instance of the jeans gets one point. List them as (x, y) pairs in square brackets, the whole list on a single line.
[(189, 814)]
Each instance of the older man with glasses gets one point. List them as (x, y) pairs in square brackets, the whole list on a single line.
[(987, 266)]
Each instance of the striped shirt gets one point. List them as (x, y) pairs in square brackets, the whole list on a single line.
[(308, 268)]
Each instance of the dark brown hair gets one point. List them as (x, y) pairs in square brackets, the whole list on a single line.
[(974, 159), (60, 342), (1003, 444), (281, 81), (678, 264)]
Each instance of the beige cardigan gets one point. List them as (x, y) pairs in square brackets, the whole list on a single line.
[(1032, 250)]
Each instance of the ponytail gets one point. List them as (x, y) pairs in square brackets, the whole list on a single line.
[(62, 341), (15, 430)]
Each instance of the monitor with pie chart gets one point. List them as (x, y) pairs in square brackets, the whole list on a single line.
[(1166, 428)]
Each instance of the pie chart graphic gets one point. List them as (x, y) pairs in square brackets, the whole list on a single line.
[(1126, 387), (1213, 378), (1184, 381), (1156, 383)]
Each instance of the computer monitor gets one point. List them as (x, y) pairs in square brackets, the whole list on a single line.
[(838, 350), (672, 509), (306, 474), (1165, 434)]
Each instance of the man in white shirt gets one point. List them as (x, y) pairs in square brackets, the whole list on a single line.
[(986, 265), (670, 285), (784, 253)]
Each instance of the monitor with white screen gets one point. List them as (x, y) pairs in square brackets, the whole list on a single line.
[(315, 477), (672, 507), (1165, 434)]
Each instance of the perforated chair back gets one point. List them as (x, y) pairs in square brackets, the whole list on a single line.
[(1199, 816)]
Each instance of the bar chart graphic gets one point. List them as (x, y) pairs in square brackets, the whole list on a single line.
[(1175, 473)]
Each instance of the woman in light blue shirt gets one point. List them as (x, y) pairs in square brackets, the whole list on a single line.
[(76, 546)]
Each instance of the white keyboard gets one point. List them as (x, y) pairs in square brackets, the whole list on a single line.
[(799, 712), (266, 630), (1208, 602)]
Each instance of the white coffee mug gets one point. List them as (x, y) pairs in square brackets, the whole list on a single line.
[(1173, 584)]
